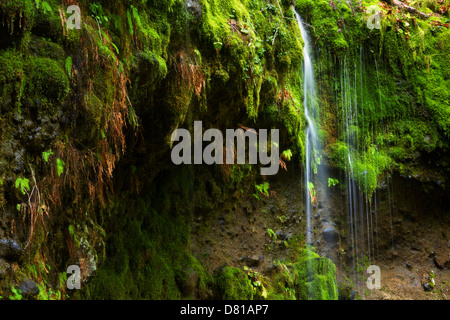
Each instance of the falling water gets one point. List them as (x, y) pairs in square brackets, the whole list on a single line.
[(310, 104)]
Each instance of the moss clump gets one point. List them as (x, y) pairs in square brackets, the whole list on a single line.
[(232, 284), (46, 78), (315, 277)]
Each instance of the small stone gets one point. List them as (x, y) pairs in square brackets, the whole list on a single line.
[(427, 287), (10, 249), (330, 234), (28, 288), (252, 261), (408, 265)]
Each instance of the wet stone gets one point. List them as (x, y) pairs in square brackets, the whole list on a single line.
[(28, 288), (330, 235), (10, 249)]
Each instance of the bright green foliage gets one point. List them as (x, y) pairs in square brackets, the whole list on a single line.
[(60, 166), (332, 182), (262, 188), (272, 234), (46, 154), (315, 277), (23, 184), (287, 154), (17, 294)]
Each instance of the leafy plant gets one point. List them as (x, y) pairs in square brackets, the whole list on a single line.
[(60, 166), (46, 155), (43, 5), (23, 184), (97, 13), (332, 182), (17, 294), (312, 192), (272, 234), (218, 45), (262, 188), (287, 154)]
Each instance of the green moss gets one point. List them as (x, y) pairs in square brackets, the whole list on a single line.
[(17, 15), (232, 284), (315, 278), (47, 78)]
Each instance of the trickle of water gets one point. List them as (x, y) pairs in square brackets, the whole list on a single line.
[(310, 104), (311, 145)]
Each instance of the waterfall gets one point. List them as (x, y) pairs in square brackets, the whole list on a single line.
[(311, 143)]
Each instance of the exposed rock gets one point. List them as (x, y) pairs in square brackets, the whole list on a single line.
[(330, 235), (10, 249), (271, 269), (442, 258), (4, 266), (28, 288), (252, 261), (427, 287), (194, 8)]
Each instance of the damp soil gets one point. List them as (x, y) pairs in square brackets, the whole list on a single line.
[(409, 241)]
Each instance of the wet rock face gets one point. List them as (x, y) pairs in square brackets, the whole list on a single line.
[(10, 250), (331, 235), (4, 267)]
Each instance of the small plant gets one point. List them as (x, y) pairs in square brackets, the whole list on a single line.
[(262, 188), (23, 184), (255, 279), (332, 182), (432, 282), (218, 46), (17, 294), (60, 166), (43, 5), (97, 13), (46, 155), (282, 219), (312, 192), (272, 235), (286, 155)]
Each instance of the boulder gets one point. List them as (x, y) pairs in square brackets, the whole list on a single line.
[(330, 234)]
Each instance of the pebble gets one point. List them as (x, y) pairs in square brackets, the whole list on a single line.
[(29, 288)]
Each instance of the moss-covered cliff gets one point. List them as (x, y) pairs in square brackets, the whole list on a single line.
[(86, 117)]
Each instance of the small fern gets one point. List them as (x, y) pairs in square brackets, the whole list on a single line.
[(23, 184)]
